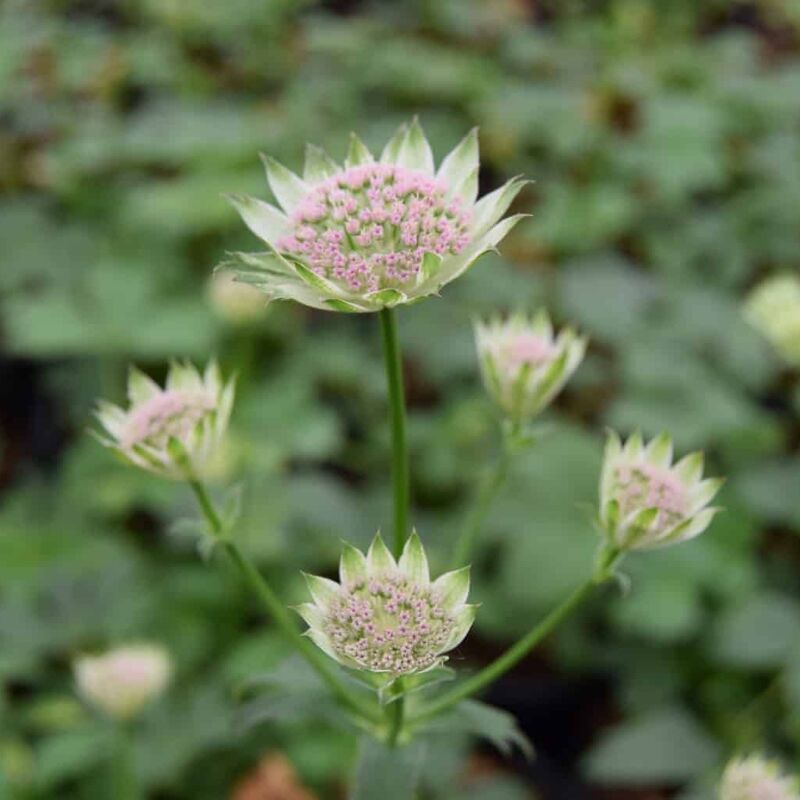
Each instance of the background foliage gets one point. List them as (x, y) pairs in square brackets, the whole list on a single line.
[(664, 139)]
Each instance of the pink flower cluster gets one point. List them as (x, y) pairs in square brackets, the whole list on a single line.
[(369, 227), (389, 624), (523, 348), (170, 413), (644, 486)]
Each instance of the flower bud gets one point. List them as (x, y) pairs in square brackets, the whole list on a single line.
[(645, 501), (120, 682), (236, 302), (755, 778), (773, 308), (176, 431), (524, 366), (387, 616)]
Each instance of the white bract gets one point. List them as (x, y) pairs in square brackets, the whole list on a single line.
[(122, 681), (755, 778), (387, 616), (646, 501), (176, 431), (773, 307), (524, 365), (370, 233)]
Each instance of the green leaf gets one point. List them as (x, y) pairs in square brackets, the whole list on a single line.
[(485, 721), (666, 746), (388, 773)]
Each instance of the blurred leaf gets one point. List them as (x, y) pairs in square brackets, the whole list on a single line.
[(666, 746)]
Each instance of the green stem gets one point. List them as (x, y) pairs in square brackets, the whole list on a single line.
[(512, 656), (279, 613), (396, 712), (490, 485), (394, 379), (123, 778)]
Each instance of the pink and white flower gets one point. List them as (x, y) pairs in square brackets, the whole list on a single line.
[(122, 681), (176, 431), (524, 364), (386, 616), (646, 501), (372, 233), (755, 778)]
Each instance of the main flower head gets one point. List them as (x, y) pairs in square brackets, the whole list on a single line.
[(387, 616), (755, 778), (120, 682), (372, 234), (773, 307), (174, 431), (524, 365), (646, 501)]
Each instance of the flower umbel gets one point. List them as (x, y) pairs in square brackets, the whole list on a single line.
[(773, 307), (372, 234), (755, 778), (524, 365), (646, 501), (120, 682), (386, 616), (175, 431)]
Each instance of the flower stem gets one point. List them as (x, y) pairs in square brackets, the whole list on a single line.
[(489, 487), (279, 613), (123, 779), (394, 379), (512, 656), (396, 712)]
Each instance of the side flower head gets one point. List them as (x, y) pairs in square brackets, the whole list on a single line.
[(372, 233), (122, 681), (524, 364), (174, 432), (755, 778), (646, 501), (773, 308), (387, 616)]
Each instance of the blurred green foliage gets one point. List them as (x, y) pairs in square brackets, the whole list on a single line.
[(664, 139)]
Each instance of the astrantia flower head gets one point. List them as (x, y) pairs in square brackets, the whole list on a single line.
[(524, 366), (646, 501), (773, 307), (755, 778), (175, 431), (372, 234), (386, 616), (122, 681)]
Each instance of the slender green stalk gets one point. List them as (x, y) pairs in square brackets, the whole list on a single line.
[(124, 782), (396, 711), (512, 656), (279, 613), (397, 405), (489, 487)]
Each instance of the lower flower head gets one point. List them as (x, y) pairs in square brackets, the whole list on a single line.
[(386, 616), (175, 431), (524, 365), (371, 234), (646, 501), (773, 307), (122, 681), (755, 778)]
